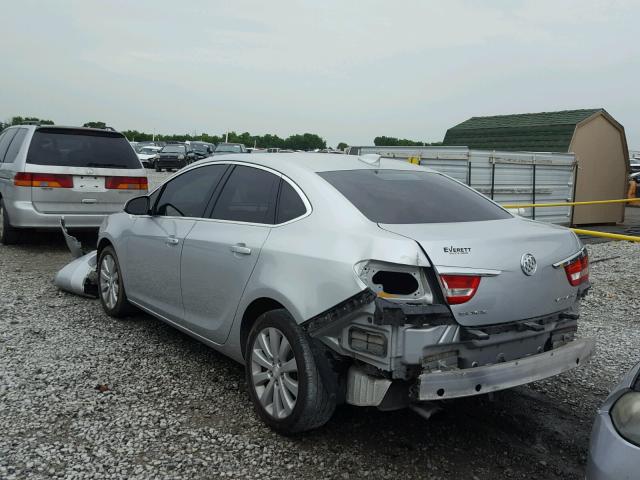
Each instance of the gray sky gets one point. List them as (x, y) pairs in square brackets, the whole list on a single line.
[(348, 71)]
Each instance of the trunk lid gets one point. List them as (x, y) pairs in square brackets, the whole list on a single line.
[(499, 245), (88, 195)]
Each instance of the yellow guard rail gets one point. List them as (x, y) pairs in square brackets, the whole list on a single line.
[(569, 204), (613, 236)]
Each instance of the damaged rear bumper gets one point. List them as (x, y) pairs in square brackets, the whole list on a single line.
[(473, 381)]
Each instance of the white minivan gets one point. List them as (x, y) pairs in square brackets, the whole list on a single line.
[(48, 172)]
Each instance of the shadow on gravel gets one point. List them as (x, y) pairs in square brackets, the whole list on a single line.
[(518, 433), (53, 240)]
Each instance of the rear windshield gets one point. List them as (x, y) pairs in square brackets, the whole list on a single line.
[(199, 147), (149, 150), (408, 197), (229, 148), (81, 148), (174, 149)]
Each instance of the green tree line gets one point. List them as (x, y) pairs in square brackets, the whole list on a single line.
[(304, 141), (401, 142)]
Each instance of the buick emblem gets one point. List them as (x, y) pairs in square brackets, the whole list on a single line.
[(528, 264)]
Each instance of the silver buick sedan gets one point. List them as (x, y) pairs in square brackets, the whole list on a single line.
[(344, 279)]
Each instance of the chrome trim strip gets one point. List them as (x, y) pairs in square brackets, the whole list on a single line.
[(568, 260), (482, 272)]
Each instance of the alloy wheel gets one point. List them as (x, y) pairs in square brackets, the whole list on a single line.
[(109, 281), (274, 372)]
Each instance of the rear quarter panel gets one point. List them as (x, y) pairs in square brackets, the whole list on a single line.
[(308, 265)]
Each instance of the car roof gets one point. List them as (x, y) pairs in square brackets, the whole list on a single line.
[(66, 127), (317, 162)]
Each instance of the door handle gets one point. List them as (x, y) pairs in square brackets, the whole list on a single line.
[(171, 241), (241, 248)]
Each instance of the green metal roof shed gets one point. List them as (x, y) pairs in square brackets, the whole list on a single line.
[(596, 138), (532, 132)]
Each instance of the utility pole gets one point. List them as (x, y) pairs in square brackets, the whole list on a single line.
[(226, 137)]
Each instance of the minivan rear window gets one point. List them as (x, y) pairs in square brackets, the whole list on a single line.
[(81, 148), (410, 197)]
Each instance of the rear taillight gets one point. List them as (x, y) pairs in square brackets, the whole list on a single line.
[(126, 183), (459, 288), (577, 270), (49, 180)]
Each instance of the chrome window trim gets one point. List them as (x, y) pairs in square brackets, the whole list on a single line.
[(303, 196), (566, 261), (480, 272)]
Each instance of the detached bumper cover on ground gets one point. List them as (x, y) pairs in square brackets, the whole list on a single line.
[(78, 276)]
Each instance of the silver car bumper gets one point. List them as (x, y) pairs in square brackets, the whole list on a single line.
[(610, 456), (23, 215), (500, 376)]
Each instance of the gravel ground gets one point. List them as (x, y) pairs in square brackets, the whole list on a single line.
[(83, 395)]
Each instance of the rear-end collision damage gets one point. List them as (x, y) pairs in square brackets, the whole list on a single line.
[(400, 341), (395, 286)]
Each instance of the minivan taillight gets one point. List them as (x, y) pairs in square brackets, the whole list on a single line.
[(578, 270), (459, 288), (49, 180), (126, 183)]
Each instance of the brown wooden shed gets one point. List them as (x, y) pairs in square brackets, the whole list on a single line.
[(596, 138)]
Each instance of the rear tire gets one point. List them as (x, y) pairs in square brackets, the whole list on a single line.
[(111, 286), (283, 379), (8, 235)]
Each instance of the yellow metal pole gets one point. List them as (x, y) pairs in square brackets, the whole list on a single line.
[(570, 204), (613, 236)]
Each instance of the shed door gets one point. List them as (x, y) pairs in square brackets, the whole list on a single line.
[(602, 171)]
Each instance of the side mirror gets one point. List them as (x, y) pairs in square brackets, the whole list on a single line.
[(137, 206)]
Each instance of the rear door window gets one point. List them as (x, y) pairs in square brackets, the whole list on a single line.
[(410, 196), (5, 140), (81, 148), (187, 195), (249, 195), (14, 146), (290, 205)]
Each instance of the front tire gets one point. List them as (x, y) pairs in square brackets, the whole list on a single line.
[(158, 169), (284, 382), (8, 235), (111, 286)]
